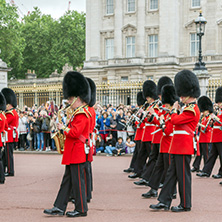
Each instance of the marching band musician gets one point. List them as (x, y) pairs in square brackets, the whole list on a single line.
[(149, 92), (77, 90), (3, 127), (12, 133), (139, 132), (216, 141), (182, 145), (156, 134), (168, 99), (206, 107)]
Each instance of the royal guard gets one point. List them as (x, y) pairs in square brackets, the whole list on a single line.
[(168, 97), (12, 133), (3, 127), (182, 145), (157, 134), (216, 140), (91, 110), (206, 108), (150, 93), (141, 102), (77, 90)]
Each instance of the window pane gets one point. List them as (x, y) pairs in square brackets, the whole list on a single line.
[(109, 6), (194, 44), (130, 46), (153, 46), (131, 6), (195, 3), (153, 4), (109, 48)]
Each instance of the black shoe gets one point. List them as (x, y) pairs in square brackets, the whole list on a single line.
[(221, 183), (9, 174), (2, 182), (174, 196), (194, 169), (133, 176), (159, 206), (75, 214), (161, 186), (180, 209), (150, 193), (88, 200), (129, 170), (54, 211), (203, 174), (217, 176), (141, 182)]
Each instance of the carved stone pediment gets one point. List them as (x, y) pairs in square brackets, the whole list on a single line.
[(190, 25), (219, 22), (129, 29), (107, 33), (152, 30)]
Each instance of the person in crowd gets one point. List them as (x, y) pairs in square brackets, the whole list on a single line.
[(38, 125), (99, 144), (30, 131), (110, 145), (130, 145), (104, 125), (46, 129), (113, 124), (53, 130), (129, 128), (22, 131), (121, 124), (120, 147)]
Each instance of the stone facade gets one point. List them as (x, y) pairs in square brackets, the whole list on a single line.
[(172, 21), (3, 74)]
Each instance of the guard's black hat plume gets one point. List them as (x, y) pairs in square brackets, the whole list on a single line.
[(140, 99), (164, 80), (74, 85), (187, 84), (2, 102), (10, 97), (149, 89), (218, 97), (205, 103), (168, 93), (93, 92)]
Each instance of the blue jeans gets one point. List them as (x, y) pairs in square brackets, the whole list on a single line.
[(109, 149), (53, 144), (40, 140), (100, 149)]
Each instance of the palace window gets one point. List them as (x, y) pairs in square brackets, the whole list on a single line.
[(131, 6), (153, 46), (194, 44), (124, 78), (109, 48), (130, 46), (153, 4), (195, 3), (109, 7)]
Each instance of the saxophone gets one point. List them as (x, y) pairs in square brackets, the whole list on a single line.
[(59, 137)]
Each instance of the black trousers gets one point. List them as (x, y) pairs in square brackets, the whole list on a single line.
[(22, 140), (88, 180), (152, 161), (47, 138), (204, 151), (135, 154), (2, 174), (7, 158), (215, 151), (142, 157), (73, 179), (160, 170), (178, 171)]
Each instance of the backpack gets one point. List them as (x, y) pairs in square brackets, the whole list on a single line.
[(45, 126)]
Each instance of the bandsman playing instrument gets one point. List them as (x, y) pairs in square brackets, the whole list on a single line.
[(77, 90)]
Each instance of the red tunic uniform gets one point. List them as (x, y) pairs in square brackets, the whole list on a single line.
[(139, 131), (167, 135), (3, 126), (205, 137), (13, 121), (78, 131), (184, 126), (217, 132)]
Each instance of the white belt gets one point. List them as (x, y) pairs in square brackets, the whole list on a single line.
[(168, 135), (183, 132), (148, 124), (216, 127)]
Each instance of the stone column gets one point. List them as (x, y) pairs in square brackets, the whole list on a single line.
[(203, 77), (36, 99), (57, 99), (21, 101)]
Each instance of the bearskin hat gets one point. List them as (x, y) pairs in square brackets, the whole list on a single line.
[(10, 97), (162, 82), (168, 93), (204, 104), (218, 97), (75, 84), (93, 92), (149, 89), (2, 102), (187, 84), (140, 99)]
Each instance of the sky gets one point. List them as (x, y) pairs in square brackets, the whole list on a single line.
[(56, 8)]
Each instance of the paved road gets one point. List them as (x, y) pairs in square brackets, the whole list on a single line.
[(115, 198)]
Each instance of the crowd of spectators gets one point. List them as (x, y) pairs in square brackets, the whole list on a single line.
[(113, 136)]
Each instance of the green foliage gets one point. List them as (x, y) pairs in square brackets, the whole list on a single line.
[(40, 42)]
